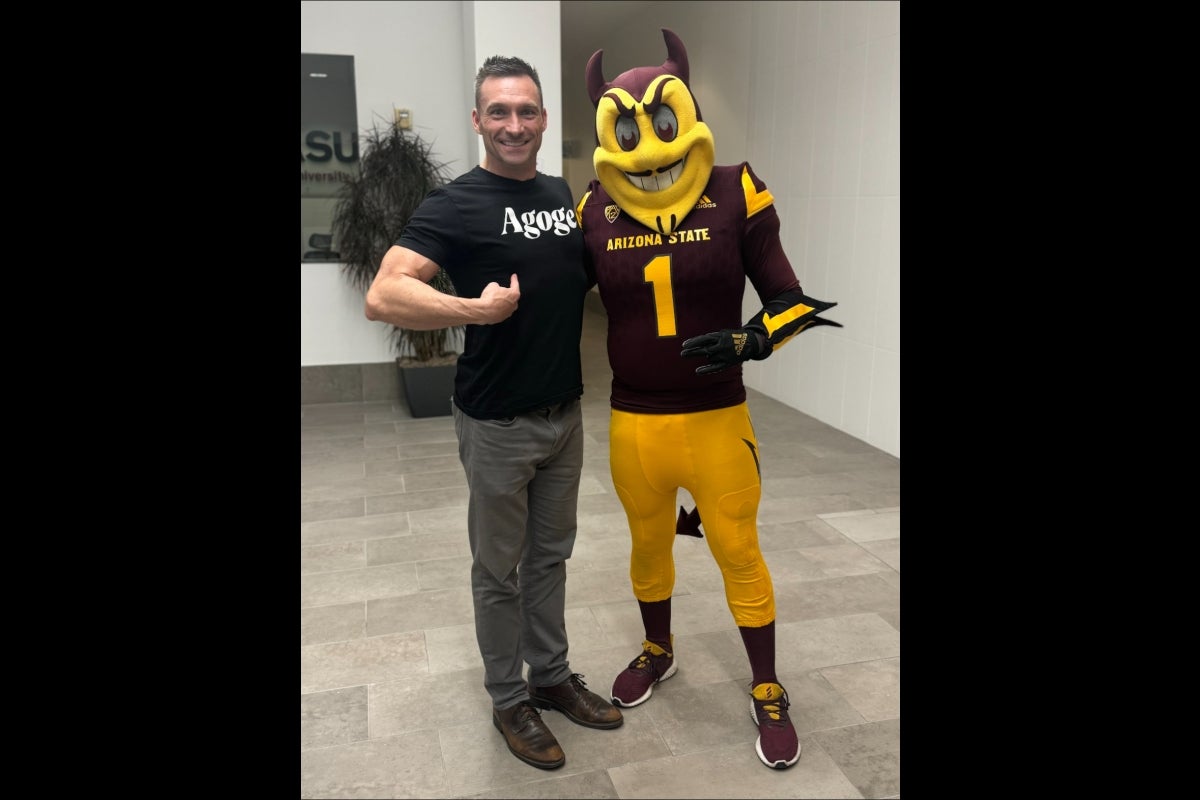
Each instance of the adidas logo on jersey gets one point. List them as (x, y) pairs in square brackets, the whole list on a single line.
[(704, 202)]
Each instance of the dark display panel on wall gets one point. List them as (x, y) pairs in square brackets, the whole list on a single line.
[(328, 147)]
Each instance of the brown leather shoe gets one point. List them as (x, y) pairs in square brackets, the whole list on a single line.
[(580, 705), (528, 737)]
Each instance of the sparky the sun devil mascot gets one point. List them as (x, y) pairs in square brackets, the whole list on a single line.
[(671, 239)]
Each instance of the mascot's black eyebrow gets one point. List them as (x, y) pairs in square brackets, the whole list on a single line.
[(651, 107)]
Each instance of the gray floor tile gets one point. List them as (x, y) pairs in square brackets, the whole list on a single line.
[(409, 765), (814, 485), (333, 718), (405, 705), (619, 620), (445, 479), (453, 648), (361, 661), (609, 555), (406, 437), (446, 519), (329, 557), (832, 641), (492, 766), (350, 456), (417, 547), (343, 430), (868, 527), (814, 703), (314, 474), (434, 463), (334, 623), (833, 597), (692, 719), (416, 501), (387, 412), (886, 550), (353, 529), (797, 509), (701, 613), (340, 444), (444, 573), (733, 770), (331, 509), (586, 785), (793, 534), (867, 754), (871, 687), (367, 583), (316, 415), (598, 586), (356, 488), (838, 561), (791, 566), (414, 612)]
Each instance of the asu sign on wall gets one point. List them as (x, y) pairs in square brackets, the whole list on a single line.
[(328, 123), (328, 147)]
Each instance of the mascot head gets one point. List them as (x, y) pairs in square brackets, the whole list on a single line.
[(654, 155)]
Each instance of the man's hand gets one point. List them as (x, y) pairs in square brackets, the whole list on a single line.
[(723, 349), (498, 303)]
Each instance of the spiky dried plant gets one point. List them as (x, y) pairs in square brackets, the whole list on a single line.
[(396, 170)]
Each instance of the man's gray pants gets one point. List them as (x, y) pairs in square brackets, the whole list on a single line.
[(523, 477)]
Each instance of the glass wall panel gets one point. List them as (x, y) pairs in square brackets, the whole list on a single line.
[(328, 147)]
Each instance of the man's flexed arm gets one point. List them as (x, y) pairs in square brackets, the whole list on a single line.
[(400, 295)]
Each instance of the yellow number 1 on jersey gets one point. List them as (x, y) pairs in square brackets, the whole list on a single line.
[(658, 275)]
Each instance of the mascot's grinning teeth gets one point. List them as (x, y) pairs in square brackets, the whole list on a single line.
[(657, 181)]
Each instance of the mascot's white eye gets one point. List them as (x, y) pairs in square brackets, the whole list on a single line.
[(627, 133), (666, 126)]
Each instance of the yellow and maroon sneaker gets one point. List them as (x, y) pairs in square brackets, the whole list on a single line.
[(778, 746), (634, 685)]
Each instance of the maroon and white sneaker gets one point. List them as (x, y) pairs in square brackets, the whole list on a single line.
[(633, 686), (777, 745)]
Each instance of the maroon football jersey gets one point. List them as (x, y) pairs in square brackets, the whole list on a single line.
[(661, 289)]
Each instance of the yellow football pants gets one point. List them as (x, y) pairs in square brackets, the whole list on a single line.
[(712, 454)]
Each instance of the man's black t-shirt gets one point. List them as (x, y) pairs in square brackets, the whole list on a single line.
[(480, 228)]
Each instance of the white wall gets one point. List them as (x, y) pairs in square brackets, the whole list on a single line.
[(807, 92), (824, 133), (531, 31)]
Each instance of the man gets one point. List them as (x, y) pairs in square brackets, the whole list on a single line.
[(671, 240), (516, 396)]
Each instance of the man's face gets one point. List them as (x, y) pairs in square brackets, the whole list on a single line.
[(511, 121)]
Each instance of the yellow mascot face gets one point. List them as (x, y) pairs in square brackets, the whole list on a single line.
[(655, 155)]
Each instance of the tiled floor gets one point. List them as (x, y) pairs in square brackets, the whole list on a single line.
[(392, 702)]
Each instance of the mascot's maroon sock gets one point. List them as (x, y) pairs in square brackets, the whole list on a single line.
[(760, 647), (656, 617)]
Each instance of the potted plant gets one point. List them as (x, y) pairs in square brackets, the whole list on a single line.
[(396, 170)]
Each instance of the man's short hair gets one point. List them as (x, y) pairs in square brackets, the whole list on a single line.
[(505, 67)]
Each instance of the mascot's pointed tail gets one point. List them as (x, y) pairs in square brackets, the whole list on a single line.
[(688, 524)]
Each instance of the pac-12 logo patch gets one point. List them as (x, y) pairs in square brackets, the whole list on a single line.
[(611, 212)]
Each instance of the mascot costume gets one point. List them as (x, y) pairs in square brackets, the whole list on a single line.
[(671, 239)]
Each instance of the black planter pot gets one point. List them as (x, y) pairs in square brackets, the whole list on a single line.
[(428, 388)]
